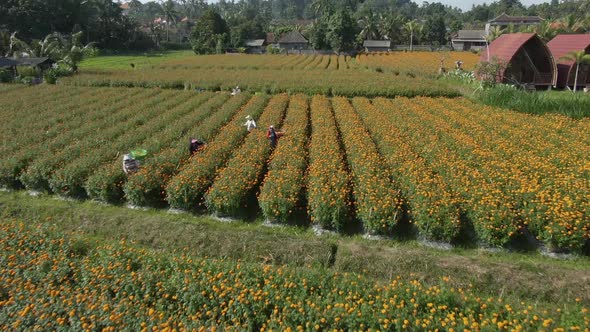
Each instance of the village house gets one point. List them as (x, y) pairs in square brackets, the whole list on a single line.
[(467, 40), (566, 70), (528, 60)]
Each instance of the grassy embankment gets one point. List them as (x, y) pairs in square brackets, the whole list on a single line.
[(514, 276), (140, 60), (540, 102)]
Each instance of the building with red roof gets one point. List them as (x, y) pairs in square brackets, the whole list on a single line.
[(566, 70), (527, 59)]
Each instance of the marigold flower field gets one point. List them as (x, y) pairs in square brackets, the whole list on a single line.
[(50, 282), (388, 74), (436, 165)]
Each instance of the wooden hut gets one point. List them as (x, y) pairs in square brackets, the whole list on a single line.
[(255, 46), (528, 60), (293, 40), (566, 70)]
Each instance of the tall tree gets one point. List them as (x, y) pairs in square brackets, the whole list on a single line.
[(411, 27), (369, 24), (436, 31), (578, 57), (170, 13), (342, 30), (209, 32)]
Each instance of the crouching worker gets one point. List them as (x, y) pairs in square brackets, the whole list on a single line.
[(130, 164), (250, 123), (195, 145)]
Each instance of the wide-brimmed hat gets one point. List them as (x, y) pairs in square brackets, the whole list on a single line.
[(193, 140), (127, 157), (271, 126), (248, 117)]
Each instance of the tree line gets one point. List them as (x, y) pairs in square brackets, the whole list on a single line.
[(327, 24)]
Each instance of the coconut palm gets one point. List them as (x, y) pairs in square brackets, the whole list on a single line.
[(391, 25), (321, 7), (369, 26), (570, 24), (170, 14), (578, 57), (411, 27)]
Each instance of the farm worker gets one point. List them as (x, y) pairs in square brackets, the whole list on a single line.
[(459, 65), (250, 123), (235, 91), (195, 145), (273, 136), (130, 164)]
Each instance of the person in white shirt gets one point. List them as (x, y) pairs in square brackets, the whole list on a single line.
[(250, 123)]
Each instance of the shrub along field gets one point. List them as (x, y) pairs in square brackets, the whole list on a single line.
[(447, 169)]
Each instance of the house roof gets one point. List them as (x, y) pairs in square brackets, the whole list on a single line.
[(507, 45), (377, 43), (563, 44), (6, 62), (293, 37), (471, 35), (255, 42), (33, 61), (505, 18)]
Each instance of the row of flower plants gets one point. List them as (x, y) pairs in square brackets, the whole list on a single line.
[(241, 62), (525, 192), (557, 203), (53, 122), (240, 177), (425, 63), (100, 134), (282, 191), (377, 199), (508, 174), (187, 188), (51, 282), (71, 178), (147, 187), (468, 170), (431, 204), (349, 83), (50, 138), (329, 194), (106, 184), (22, 99)]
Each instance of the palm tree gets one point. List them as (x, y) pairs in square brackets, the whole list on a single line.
[(390, 25), (545, 31), (170, 14), (370, 26), (578, 57), (321, 7), (411, 27), (570, 24)]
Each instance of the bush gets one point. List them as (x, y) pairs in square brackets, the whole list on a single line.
[(270, 49), (5, 76), (172, 46)]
